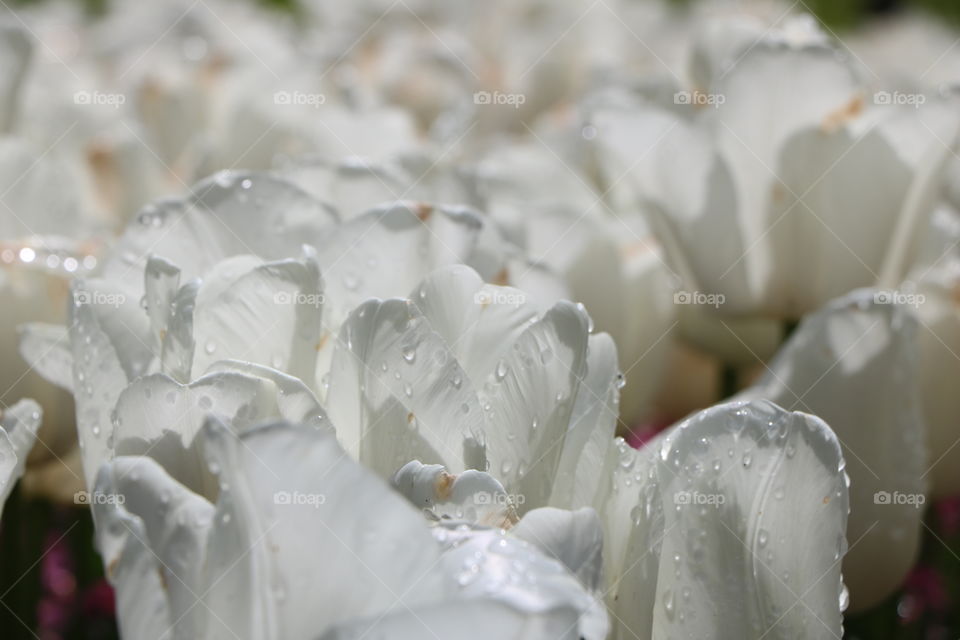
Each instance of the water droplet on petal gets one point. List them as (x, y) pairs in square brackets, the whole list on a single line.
[(762, 538)]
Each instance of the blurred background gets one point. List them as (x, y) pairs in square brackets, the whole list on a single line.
[(52, 582)]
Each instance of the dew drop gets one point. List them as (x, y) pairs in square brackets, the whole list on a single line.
[(668, 604)]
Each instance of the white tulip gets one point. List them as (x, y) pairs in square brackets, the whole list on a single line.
[(770, 150), (468, 387), (689, 525), (301, 541), (935, 283)]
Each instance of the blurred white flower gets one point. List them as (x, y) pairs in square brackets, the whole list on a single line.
[(854, 364), (936, 291), (763, 185), (45, 241), (18, 430)]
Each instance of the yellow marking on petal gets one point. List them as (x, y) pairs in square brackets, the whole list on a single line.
[(112, 566), (443, 485), (423, 211), (778, 193), (502, 278), (637, 248), (955, 292), (323, 340), (836, 119)]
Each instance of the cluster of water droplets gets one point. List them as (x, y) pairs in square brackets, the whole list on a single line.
[(53, 256)]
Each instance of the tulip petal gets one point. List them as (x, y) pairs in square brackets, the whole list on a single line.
[(633, 519), (772, 92), (15, 49), (853, 365), (152, 532), (159, 417), (269, 314), (939, 343), (492, 564), (398, 394), (387, 251), (528, 400), (18, 431), (465, 620), (478, 322), (575, 538), (230, 213), (99, 377), (593, 425), (288, 519), (170, 309), (824, 250), (46, 347), (754, 531)]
